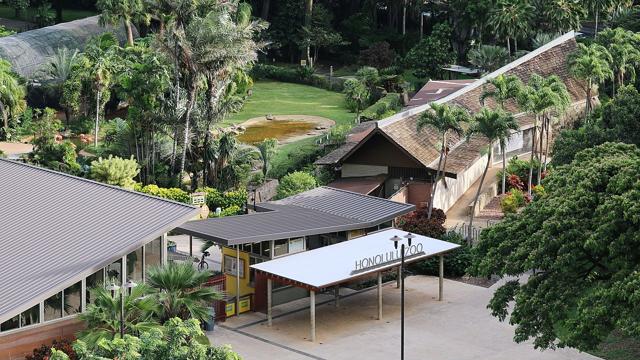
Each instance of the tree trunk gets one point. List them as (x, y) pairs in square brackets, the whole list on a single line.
[(187, 117), (265, 9), (542, 126), (515, 45), (588, 102), (434, 186), (596, 29), (444, 165), (127, 25), (533, 151), (475, 201), (308, 12), (508, 46), (58, 6), (546, 151), (67, 117), (95, 138), (404, 17), (5, 117), (161, 27), (504, 169)]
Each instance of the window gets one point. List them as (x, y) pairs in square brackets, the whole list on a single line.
[(53, 307), (72, 299), (152, 254), (296, 245), (230, 266), (10, 324), (94, 280), (30, 317), (280, 247), (134, 266), (255, 248), (266, 249), (114, 272)]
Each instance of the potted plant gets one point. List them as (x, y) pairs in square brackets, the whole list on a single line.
[(172, 246)]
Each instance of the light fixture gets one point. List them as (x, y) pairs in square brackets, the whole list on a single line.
[(395, 240), (409, 236)]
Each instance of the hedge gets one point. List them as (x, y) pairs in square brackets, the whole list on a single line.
[(174, 194), (388, 105), (298, 75)]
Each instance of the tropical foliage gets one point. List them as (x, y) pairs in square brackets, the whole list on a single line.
[(294, 183)]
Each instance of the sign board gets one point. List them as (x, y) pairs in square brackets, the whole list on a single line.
[(386, 258), (230, 309), (198, 198), (245, 304), (303, 62)]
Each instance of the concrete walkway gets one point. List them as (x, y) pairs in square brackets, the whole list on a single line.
[(459, 212), (458, 328)]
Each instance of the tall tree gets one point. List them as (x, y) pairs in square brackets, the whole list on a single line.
[(267, 149), (580, 249), (444, 119), (592, 65), (59, 70), (625, 55), (511, 19), (560, 16), (127, 11), (502, 89), (12, 96), (495, 126), (308, 15)]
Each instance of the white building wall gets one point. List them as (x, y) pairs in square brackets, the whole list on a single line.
[(445, 198), (355, 170)]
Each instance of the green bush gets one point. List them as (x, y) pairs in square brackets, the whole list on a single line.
[(295, 161), (295, 183), (174, 194), (224, 200), (455, 263), (388, 105), (230, 211), (115, 171), (508, 204)]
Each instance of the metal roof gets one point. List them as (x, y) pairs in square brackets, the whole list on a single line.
[(57, 229), (318, 211), (351, 259)]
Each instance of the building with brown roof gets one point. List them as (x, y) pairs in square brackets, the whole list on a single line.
[(409, 159)]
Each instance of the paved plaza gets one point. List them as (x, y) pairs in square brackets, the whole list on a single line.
[(459, 328)]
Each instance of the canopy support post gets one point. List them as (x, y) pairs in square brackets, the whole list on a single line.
[(238, 280), (312, 300), (269, 301), (336, 295), (379, 295), (191, 245), (440, 278)]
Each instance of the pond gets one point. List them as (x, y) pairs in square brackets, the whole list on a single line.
[(279, 129)]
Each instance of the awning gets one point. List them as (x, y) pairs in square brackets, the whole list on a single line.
[(331, 265), (362, 185)]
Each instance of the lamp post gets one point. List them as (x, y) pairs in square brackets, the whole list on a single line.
[(128, 285), (395, 240)]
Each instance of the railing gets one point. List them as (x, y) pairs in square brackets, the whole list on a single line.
[(473, 233)]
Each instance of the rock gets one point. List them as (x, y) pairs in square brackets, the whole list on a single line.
[(320, 127), (269, 117)]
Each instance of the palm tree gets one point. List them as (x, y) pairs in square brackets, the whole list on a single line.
[(267, 149), (12, 96), (444, 119), (59, 70), (102, 317), (511, 19), (495, 125), (562, 15), (488, 58), (598, 6), (540, 97), (503, 88), (592, 64), (623, 47), (179, 291), (127, 11)]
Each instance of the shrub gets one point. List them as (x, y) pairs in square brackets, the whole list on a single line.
[(295, 160), (519, 168), (44, 351), (429, 55), (115, 171), (224, 200), (174, 194), (417, 222), (294, 183), (538, 191), (44, 16), (455, 264), (385, 107), (230, 211), (508, 204), (379, 55)]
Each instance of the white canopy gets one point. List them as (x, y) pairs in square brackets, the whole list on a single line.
[(334, 264)]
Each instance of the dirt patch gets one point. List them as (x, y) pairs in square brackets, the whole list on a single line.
[(285, 128)]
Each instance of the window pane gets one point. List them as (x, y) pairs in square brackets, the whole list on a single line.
[(72, 299), (10, 324), (30, 317), (266, 249), (152, 253), (96, 279), (280, 247), (134, 266), (255, 248), (114, 271), (53, 307), (296, 245)]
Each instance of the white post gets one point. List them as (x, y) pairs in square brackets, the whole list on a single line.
[(123, 278), (83, 298), (440, 279), (163, 249), (379, 295), (238, 280), (312, 307), (269, 294)]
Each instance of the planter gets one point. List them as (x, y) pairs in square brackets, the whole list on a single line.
[(172, 248)]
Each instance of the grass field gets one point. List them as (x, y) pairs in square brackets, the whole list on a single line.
[(278, 98), (67, 14), (619, 347)]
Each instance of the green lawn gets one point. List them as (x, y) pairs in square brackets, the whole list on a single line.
[(278, 98), (619, 347), (67, 14)]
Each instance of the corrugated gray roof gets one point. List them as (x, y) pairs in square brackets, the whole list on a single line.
[(318, 211), (57, 229)]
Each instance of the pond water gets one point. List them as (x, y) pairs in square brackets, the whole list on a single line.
[(279, 129)]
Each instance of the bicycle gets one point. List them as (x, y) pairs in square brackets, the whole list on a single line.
[(202, 265)]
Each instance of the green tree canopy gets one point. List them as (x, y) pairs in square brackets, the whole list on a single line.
[(581, 242), (115, 171), (294, 183), (428, 56)]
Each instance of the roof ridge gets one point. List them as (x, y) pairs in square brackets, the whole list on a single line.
[(59, 173), (517, 62)]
